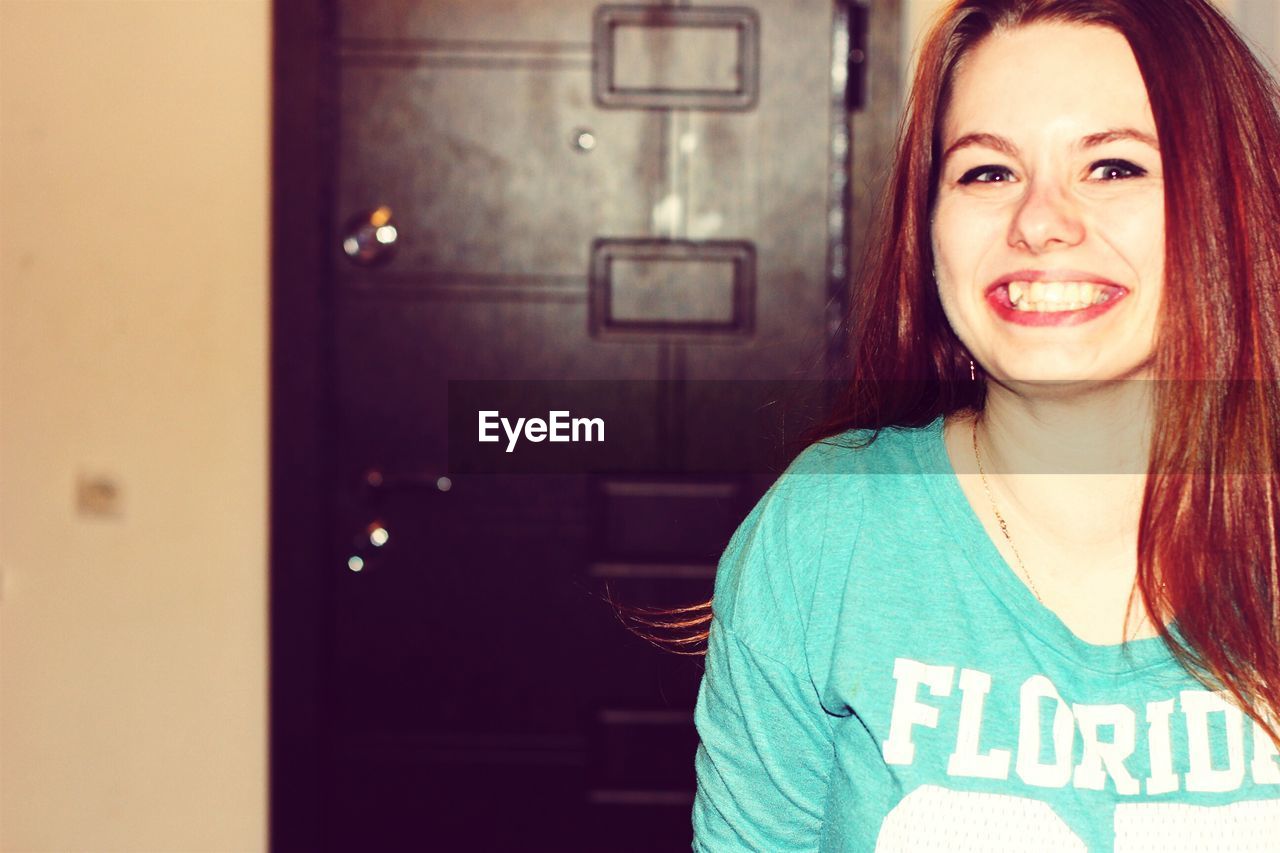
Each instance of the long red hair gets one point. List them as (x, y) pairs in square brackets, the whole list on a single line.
[(1207, 547)]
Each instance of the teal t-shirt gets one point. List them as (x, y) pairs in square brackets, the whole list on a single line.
[(879, 679)]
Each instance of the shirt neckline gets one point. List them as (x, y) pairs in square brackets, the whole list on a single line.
[(986, 561)]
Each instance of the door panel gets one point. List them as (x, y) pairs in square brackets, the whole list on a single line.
[(487, 21), (481, 166)]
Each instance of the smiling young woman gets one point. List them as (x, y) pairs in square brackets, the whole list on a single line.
[(1063, 167), (1025, 593)]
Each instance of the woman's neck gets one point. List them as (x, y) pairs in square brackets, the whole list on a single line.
[(1067, 471), (1066, 430)]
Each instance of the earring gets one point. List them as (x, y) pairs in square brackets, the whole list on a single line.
[(973, 372)]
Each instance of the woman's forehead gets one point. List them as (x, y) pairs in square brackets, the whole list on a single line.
[(1050, 81)]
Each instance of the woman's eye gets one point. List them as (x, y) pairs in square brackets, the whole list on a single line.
[(1115, 170), (987, 175)]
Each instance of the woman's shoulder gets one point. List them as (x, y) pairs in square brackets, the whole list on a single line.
[(794, 549), (886, 450), (831, 479)]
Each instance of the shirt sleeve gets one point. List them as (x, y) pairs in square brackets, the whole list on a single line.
[(766, 752)]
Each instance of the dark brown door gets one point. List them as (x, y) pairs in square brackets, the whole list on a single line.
[(645, 207)]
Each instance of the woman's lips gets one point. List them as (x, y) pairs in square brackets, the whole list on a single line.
[(999, 298)]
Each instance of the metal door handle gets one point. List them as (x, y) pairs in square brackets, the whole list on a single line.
[(369, 238)]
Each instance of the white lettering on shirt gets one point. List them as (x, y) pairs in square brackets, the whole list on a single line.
[(909, 711), (1160, 748), (1030, 769), (1105, 758), (1110, 736), (968, 759), (1197, 706)]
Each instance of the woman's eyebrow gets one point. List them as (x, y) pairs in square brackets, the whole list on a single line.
[(986, 140), (1093, 140)]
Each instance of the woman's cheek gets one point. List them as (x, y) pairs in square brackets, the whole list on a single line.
[(1135, 232), (1136, 213)]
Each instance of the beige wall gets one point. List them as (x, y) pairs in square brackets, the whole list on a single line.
[(133, 311)]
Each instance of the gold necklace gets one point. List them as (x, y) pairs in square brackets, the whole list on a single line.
[(1004, 527)]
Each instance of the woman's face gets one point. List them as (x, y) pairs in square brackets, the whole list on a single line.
[(1048, 232)]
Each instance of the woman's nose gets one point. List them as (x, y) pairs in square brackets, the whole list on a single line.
[(1046, 218)]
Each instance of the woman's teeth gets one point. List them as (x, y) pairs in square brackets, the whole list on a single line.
[(1050, 296)]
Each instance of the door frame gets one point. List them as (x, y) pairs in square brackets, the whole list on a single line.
[(302, 158)]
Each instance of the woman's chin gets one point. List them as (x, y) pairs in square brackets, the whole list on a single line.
[(1059, 372), (1056, 384)]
